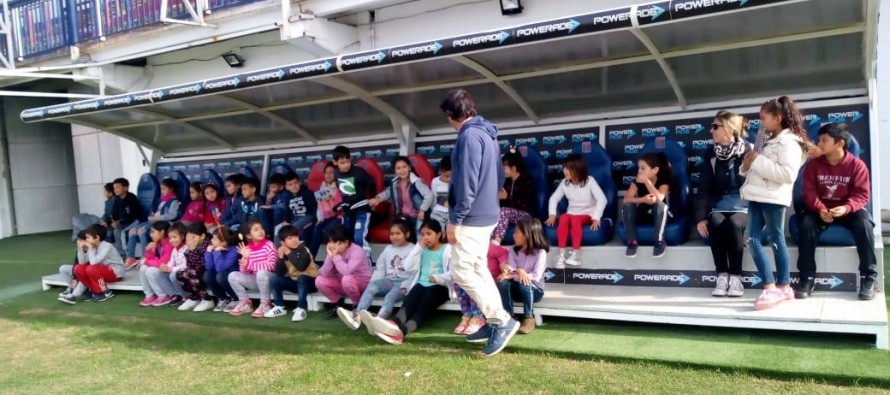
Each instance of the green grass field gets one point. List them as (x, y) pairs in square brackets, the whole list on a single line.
[(117, 347)]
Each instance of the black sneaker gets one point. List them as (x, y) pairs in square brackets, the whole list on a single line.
[(331, 312), (866, 288), (177, 300), (658, 250), (99, 298), (68, 299), (805, 288), (87, 296), (631, 249)]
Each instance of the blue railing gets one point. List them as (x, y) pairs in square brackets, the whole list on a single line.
[(42, 27)]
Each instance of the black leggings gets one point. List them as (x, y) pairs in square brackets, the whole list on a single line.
[(726, 232), (419, 304)]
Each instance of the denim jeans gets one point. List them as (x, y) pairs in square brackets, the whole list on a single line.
[(218, 283), (302, 286), (768, 220), (389, 289), (527, 294)]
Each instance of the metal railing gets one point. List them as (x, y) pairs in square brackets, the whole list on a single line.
[(42, 27)]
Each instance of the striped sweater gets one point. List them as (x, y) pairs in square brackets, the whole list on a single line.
[(263, 257)]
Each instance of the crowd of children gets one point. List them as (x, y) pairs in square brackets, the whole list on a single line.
[(224, 246)]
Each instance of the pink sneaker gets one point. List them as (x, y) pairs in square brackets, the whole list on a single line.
[(243, 307), (262, 309), (162, 301), (475, 324), (769, 298), (460, 328), (787, 293), (148, 301)]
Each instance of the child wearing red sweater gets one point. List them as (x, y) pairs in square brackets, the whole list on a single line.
[(836, 190), (194, 212), (257, 267)]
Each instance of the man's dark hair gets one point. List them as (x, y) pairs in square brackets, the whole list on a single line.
[(341, 152), (122, 182), (458, 105), (838, 132)]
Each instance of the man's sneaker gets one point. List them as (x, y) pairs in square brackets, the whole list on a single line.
[(66, 292), (204, 305), (388, 331), (474, 325), (175, 300), (736, 288), (367, 319), (658, 250), (241, 307), (299, 315), (573, 259), (348, 318), (68, 299), (99, 298), (631, 251), (148, 301), (560, 261), (722, 285), (481, 336), (462, 325), (805, 288), (866, 288), (188, 305), (162, 301), (500, 336), (220, 306), (769, 298), (262, 309), (276, 311)]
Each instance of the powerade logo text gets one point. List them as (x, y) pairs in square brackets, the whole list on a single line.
[(568, 26), (185, 89), (59, 110), (231, 82), (435, 162), (696, 160), (392, 152), (355, 155), (554, 140), (842, 117), (303, 170), (148, 96), (313, 158), (86, 106), (652, 132), (208, 166), (581, 137), (312, 68), (623, 164), (627, 180), (498, 37), (504, 143), (277, 161), (527, 141), (271, 75), (554, 168), (378, 57), (693, 5), (754, 125), (374, 153), (433, 48), (544, 154), (701, 145), (614, 277), (446, 148), (427, 150), (118, 101), (652, 12), (563, 153), (677, 278), (295, 159), (632, 149), (689, 129), (621, 134)]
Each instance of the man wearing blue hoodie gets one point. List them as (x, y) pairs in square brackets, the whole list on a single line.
[(476, 177)]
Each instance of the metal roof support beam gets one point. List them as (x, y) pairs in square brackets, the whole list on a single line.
[(272, 116), (872, 10), (204, 132), (491, 76), (362, 94), (656, 53)]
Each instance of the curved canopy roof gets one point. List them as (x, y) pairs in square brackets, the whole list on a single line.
[(676, 53)]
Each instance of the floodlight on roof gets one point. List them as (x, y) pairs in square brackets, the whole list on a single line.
[(510, 7)]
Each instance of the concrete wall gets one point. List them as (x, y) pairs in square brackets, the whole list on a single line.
[(883, 95), (41, 170)]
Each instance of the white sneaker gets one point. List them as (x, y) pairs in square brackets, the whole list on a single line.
[(204, 306), (220, 306), (276, 311), (736, 288), (722, 285), (66, 292), (348, 318), (367, 318), (188, 305), (573, 259), (299, 315), (560, 261)]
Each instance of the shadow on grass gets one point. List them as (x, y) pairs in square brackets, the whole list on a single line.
[(120, 321)]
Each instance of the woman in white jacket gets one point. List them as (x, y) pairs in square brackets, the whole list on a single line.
[(429, 288), (770, 171), (587, 202)]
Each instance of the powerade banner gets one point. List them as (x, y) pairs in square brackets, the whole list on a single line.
[(194, 170), (301, 162), (553, 146), (833, 282), (619, 18), (624, 142)]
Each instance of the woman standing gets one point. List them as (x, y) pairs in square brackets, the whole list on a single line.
[(720, 213)]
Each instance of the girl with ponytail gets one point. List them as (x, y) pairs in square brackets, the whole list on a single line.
[(648, 201)]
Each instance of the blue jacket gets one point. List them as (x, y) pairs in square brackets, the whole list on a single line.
[(109, 210), (421, 196), (249, 210), (301, 205), (476, 175), (222, 261), (233, 209)]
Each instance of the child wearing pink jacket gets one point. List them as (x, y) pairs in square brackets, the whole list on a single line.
[(346, 270)]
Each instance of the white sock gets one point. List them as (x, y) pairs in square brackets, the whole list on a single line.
[(562, 252)]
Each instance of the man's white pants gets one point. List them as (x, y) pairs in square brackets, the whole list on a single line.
[(469, 270)]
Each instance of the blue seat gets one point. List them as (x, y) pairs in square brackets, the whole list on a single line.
[(834, 235), (148, 191), (210, 176), (182, 190), (599, 167), (537, 171), (248, 172), (279, 169), (676, 230)]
